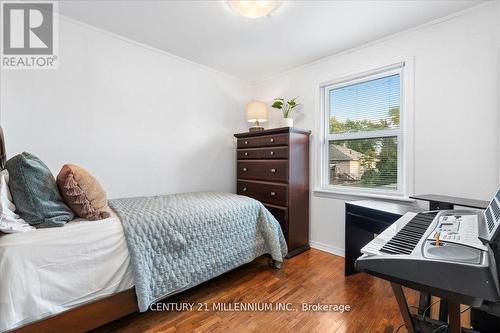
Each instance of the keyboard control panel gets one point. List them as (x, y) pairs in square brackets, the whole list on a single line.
[(458, 229)]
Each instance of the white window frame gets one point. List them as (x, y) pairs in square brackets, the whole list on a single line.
[(404, 134)]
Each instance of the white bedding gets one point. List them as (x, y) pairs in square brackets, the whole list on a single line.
[(48, 271)]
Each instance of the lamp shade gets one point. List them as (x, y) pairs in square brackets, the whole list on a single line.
[(256, 111)]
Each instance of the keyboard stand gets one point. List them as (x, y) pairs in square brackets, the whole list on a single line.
[(454, 317), (413, 321), (403, 306)]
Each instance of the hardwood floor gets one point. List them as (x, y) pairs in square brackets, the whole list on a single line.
[(312, 277)]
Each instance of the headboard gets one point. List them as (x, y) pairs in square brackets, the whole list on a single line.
[(3, 153)]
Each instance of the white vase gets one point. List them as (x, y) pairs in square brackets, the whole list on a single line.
[(287, 122)]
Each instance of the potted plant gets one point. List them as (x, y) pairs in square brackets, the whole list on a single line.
[(286, 108)]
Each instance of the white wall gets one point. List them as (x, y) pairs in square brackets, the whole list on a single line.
[(142, 121), (145, 122), (456, 122)]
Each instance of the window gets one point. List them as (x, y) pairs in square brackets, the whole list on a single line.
[(363, 122)]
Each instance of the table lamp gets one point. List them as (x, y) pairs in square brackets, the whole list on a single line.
[(256, 113)]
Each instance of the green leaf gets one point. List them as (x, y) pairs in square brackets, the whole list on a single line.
[(277, 105)]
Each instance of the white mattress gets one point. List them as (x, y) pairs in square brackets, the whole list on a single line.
[(48, 271)]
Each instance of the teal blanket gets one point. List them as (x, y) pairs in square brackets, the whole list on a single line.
[(179, 241)]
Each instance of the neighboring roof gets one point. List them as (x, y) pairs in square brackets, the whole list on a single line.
[(341, 153)]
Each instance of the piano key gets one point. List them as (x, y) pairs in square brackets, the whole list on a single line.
[(401, 245), (398, 242), (410, 234), (388, 247), (406, 239), (389, 251), (414, 229), (395, 249)]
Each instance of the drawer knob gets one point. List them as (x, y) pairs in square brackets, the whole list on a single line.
[(273, 170), (245, 169), (271, 153), (246, 142), (246, 154), (273, 194), (272, 140), (244, 189)]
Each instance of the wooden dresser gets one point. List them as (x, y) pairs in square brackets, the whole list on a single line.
[(273, 167)]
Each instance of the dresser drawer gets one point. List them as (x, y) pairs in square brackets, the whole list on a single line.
[(274, 140), (264, 192), (249, 142), (274, 152), (274, 170), (247, 154), (262, 153), (280, 214)]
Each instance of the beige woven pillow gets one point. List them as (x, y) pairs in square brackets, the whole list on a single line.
[(82, 193)]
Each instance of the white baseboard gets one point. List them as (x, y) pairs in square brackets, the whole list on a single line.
[(327, 248)]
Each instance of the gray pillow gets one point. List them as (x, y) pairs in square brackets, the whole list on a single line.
[(35, 194)]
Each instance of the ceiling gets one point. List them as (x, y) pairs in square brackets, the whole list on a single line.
[(296, 33)]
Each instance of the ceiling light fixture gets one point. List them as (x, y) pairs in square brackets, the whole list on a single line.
[(252, 8)]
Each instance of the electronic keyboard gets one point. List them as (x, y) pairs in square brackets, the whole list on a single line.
[(449, 253)]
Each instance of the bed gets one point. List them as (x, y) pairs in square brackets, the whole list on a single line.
[(57, 269), (88, 273)]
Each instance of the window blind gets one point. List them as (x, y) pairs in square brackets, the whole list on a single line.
[(359, 112), (365, 106)]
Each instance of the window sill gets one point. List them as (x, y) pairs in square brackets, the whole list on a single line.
[(351, 195)]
